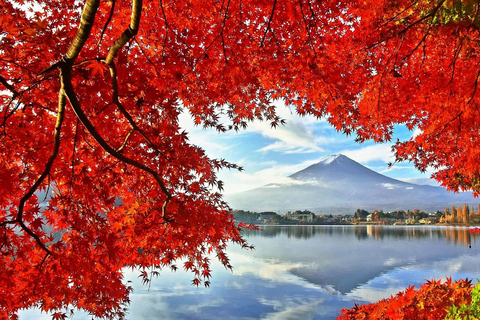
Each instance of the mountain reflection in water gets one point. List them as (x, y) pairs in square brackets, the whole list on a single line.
[(345, 257), (308, 272)]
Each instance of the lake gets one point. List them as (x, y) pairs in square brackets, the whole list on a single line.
[(308, 272)]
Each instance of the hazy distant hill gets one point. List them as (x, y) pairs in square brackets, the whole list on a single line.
[(337, 184)]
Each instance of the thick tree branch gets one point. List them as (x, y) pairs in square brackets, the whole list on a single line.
[(58, 126), (88, 17), (70, 93), (83, 32), (19, 219), (128, 34)]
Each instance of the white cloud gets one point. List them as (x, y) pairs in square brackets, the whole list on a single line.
[(289, 148), (374, 152), (421, 181), (250, 178), (296, 136), (416, 132), (272, 270), (286, 181)]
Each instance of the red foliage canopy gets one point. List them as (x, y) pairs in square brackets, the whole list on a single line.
[(90, 94), (430, 302)]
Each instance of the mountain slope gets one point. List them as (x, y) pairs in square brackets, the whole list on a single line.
[(337, 184)]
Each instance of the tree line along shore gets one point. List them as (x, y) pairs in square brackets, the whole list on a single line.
[(455, 215)]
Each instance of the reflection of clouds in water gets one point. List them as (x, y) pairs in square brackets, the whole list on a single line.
[(378, 288), (268, 269), (275, 271), (266, 286), (390, 262), (459, 264), (387, 284), (293, 310), (455, 267)]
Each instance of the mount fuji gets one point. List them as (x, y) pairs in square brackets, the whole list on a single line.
[(339, 185)]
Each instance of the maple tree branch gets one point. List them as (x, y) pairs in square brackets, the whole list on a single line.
[(16, 64), (73, 156), (110, 15), (126, 140), (458, 116), (455, 57), (66, 79), (221, 34), (167, 25), (423, 40), (128, 34), (9, 87), (19, 219), (83, 32), (393, 18), (404, 30), (307, 28), (476, 15), (474, 87), (116, 101), (430, 15), (145, 55), (40, 266), (269, 22)]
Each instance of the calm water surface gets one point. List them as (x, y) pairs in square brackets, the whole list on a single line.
[(308, 272)]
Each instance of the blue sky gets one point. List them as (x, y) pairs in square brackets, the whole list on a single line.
[(268, 155)]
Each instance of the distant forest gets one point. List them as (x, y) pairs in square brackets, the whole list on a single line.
[(464, 214)]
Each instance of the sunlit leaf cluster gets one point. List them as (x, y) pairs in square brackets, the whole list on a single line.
[(433, 300)]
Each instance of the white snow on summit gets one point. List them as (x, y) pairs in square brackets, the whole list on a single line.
[(329, 159)]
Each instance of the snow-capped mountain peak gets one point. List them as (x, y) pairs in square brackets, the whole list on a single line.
[(338, 184)]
